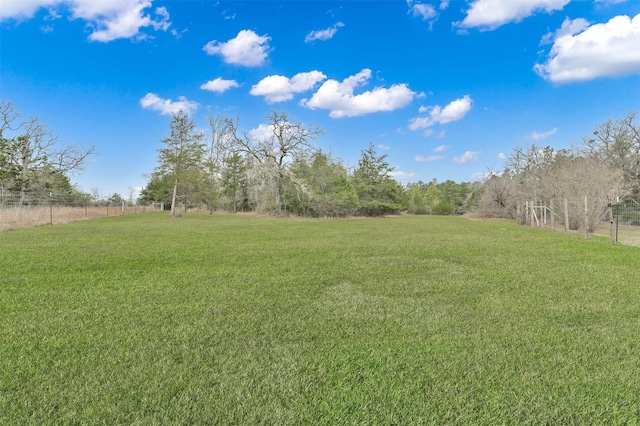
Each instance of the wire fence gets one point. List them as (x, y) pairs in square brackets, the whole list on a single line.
[(29, 209), (627, 212)]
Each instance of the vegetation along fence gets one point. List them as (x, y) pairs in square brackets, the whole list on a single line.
[(27, 209)]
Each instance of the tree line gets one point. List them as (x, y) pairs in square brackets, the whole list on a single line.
[(32, 159), (601, 168), (277, 169)]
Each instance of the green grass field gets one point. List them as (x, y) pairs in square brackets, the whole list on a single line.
[(242, 320)]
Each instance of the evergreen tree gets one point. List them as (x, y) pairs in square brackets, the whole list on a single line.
[(181, 159), (234, 182), (327, 190), (378, 192)]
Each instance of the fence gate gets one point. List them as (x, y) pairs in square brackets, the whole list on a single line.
[(626, 212)]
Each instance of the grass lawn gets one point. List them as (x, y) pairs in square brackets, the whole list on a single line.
[(242, 320)]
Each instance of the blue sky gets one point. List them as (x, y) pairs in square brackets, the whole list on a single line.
[(445, 88)]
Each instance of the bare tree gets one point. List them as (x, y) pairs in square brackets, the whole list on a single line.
[(528, 168), (617, 143), (574, 178), (218, 147), (131, 191), (32, 157), (497, 199), (275, 151)]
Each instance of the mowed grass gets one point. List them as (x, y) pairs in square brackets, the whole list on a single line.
[(242, 320)]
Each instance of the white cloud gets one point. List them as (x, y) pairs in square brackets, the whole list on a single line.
[(402, 175), (467, 157), (444, 4), (569, 27), (481, 176), (323, 35), (108, 20), (23, 9), (247, 49), (263, 132), (502, 156), (339, 97), (428, 158), (384, 147), (611, 49), (539, 136), (422, 10), (442, 148), (166, 106), (278, 88), (219, 85), (492, 14), (454, 111), (126, 23), (610, 2)]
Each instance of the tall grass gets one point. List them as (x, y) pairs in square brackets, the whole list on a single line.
[(25, 217), (243, 320)]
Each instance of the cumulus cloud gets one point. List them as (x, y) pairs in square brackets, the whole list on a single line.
[(491, 14), (467, 157), (384, 147), (107, 20), (278, 88), (454, 111), (502, 156), (263, 132), (339, 97), (442, 148), (428, 158), (400, 175), (582, 53), (247, 49), (219, 85), (423, 10), (166, 106), (539, 136), (24, 9), (568, 27), (323, 35)]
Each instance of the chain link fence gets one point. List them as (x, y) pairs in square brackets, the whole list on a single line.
[(28, 209)]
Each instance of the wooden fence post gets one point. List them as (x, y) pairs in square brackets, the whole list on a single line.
[(612, 229), (553, 221), (586, 218), (533, 215)]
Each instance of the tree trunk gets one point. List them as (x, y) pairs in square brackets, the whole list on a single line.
[(173, 200)]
